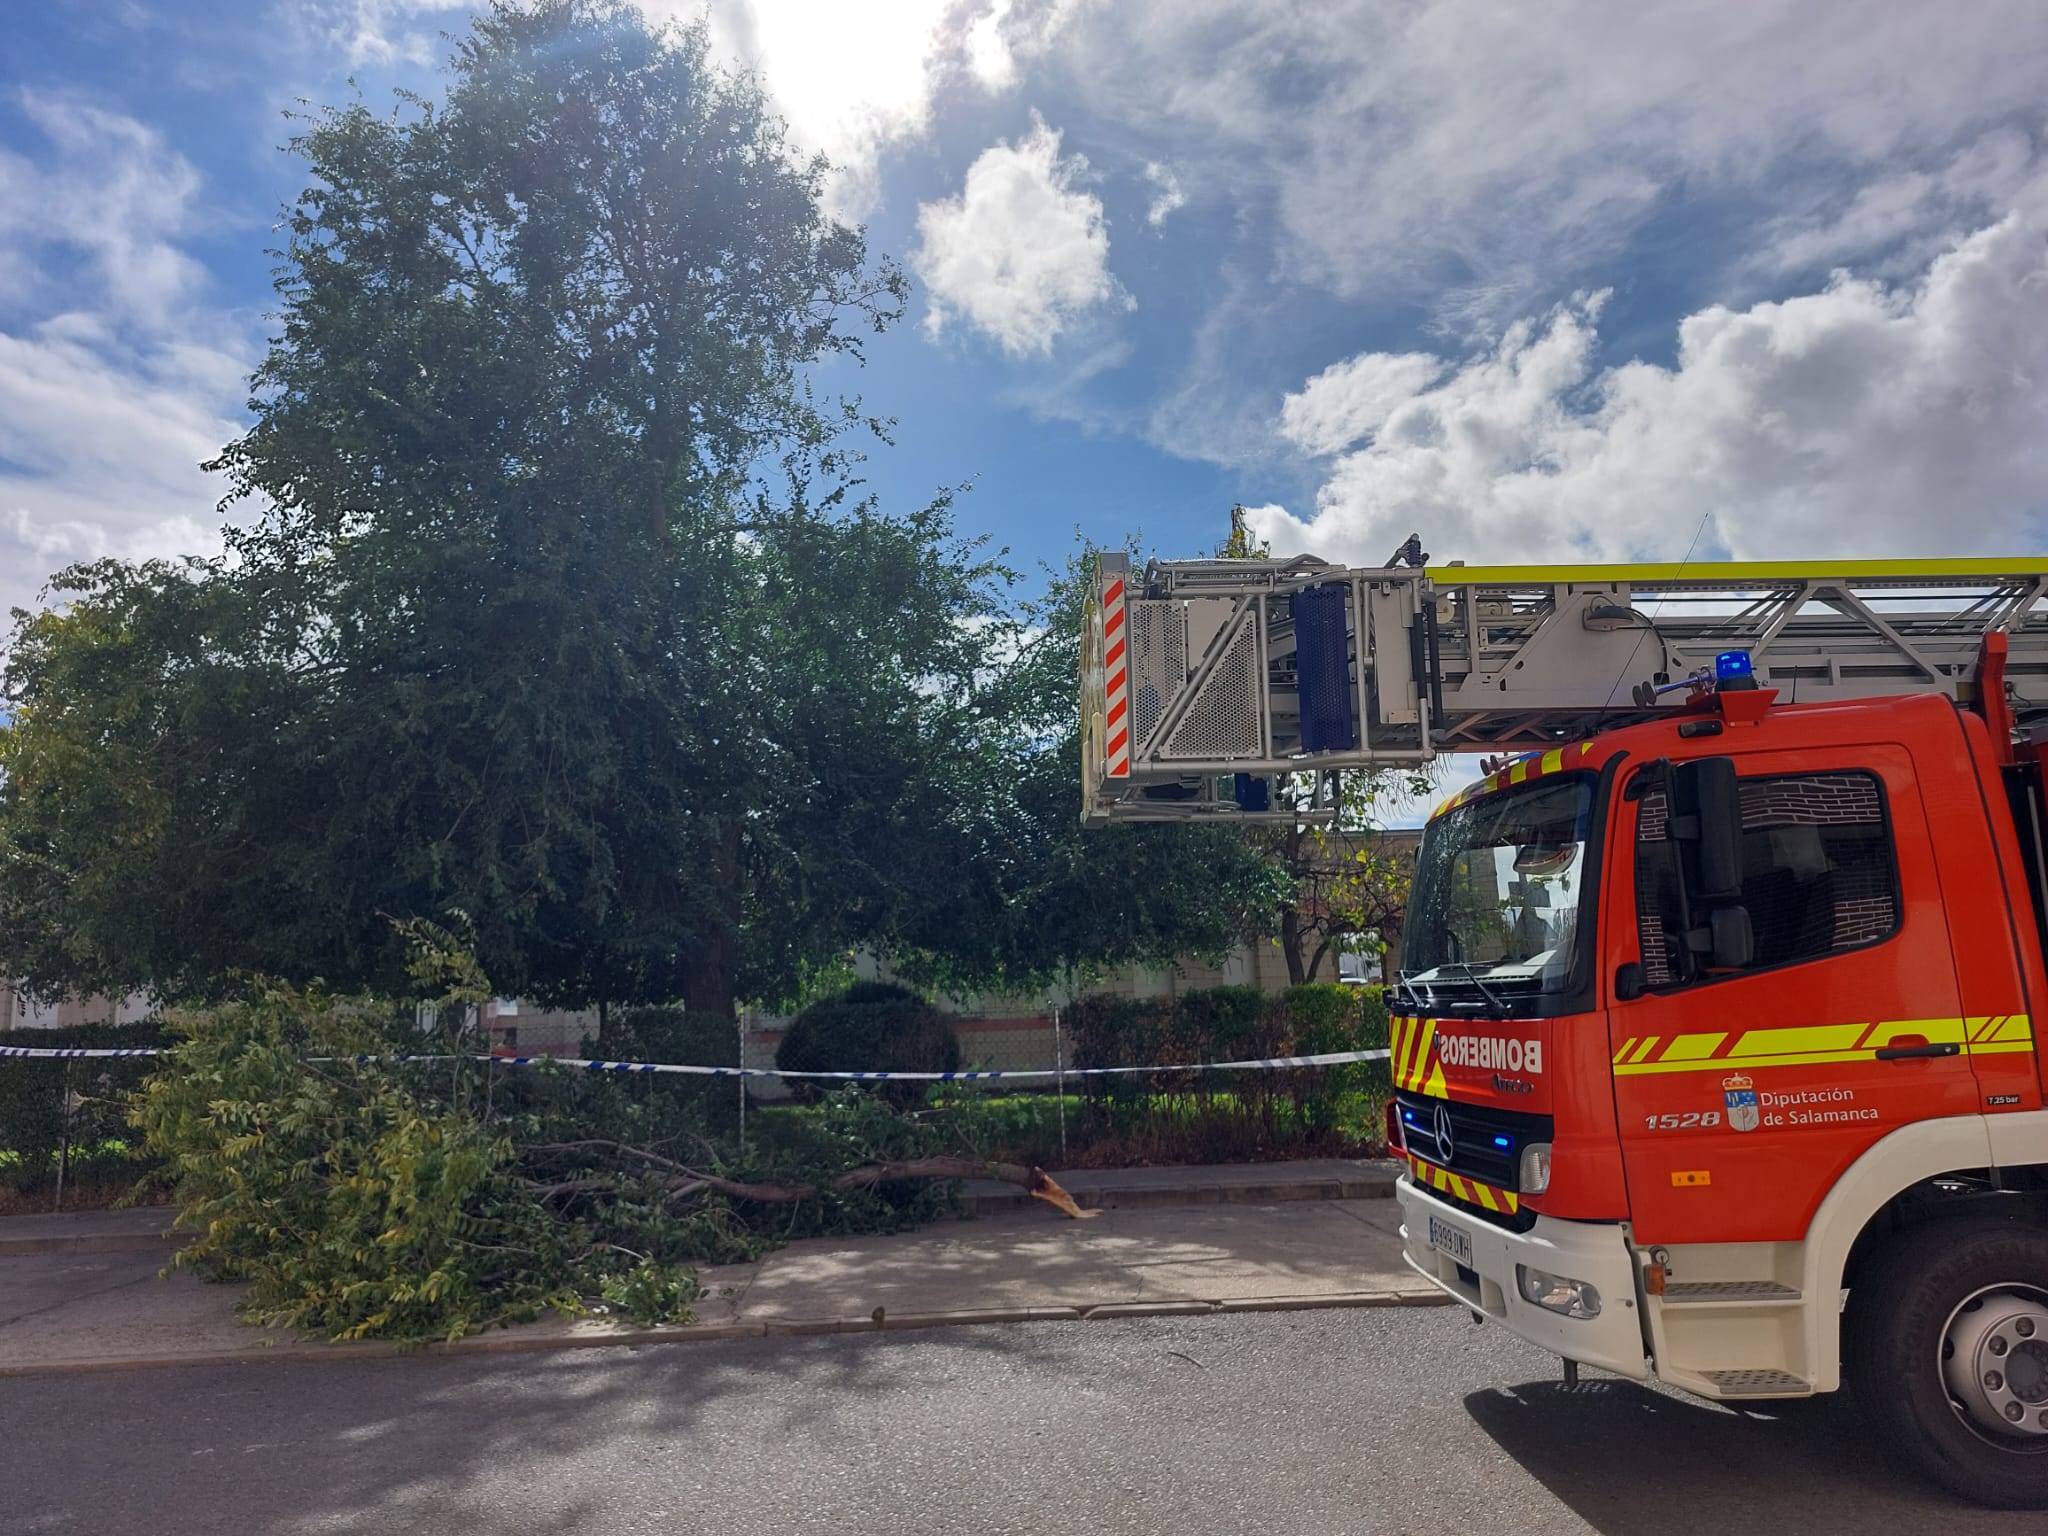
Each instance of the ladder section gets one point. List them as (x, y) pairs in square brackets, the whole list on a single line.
[(1202, 679)]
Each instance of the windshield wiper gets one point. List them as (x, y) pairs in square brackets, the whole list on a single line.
[(1415, 999), (1471, 974)]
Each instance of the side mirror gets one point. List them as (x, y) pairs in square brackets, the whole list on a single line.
[(1631, 981), (1724, 942), (1734, 941), (1706, 809)]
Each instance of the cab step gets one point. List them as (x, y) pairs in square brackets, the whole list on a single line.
[(1767, 1383), (1679, 1293)]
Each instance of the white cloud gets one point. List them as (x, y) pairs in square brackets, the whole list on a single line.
[(115, 380), (110, 188), (1873, 417), (853, 80), (1023, 252), (989, 58), (1010, 35), (1503, 146), (1167, 196), (1907, 215), (850, 79), (389, 31), (1350, 400)]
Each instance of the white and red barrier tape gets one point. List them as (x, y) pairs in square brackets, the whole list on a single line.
[(1323, 1059)]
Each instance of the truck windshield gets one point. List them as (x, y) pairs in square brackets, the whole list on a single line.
[(1493, 916)]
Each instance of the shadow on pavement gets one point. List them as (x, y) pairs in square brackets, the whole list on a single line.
[(1630, 1461), (529, 1444)]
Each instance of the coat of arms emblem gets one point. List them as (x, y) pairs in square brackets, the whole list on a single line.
[(1739, 1094)]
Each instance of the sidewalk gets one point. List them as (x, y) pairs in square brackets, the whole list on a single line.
[(83, 1310), (1092, 1189)]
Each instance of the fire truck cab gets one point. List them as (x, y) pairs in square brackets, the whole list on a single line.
[(1714, 1060)]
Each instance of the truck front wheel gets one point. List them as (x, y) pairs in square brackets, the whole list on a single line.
[(1947, 1350)]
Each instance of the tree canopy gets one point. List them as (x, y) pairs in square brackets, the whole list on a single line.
[(556, 603)]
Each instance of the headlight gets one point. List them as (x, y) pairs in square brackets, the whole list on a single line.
[(1556, 1293), (1535, 1172)]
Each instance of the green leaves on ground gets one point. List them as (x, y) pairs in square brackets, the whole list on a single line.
[(363, 1198)]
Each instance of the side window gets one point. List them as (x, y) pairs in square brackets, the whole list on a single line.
[(1818, 876)]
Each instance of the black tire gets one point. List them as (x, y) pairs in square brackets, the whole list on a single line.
[(1898, 1312)]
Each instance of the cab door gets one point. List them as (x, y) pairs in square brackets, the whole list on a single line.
[(1743, 1092)]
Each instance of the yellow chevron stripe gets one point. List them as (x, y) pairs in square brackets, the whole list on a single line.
[(1418, 1058), (1797, 1041), (1409, 1037), (1692, 1047), (1805, 1059), (1553, 760), (1487, 1195), (1823, 1044)]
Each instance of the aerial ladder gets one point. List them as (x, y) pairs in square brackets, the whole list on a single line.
[(1205, 680)]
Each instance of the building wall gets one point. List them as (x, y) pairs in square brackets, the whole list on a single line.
[(19, 1011)]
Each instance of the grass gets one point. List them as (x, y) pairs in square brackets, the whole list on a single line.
[(99, 1175)]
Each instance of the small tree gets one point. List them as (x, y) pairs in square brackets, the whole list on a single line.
[(1345, 877)]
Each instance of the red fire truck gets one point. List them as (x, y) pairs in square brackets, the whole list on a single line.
[(1714, 1056)]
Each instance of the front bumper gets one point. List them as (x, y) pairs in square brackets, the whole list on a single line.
[(1584, 1250)]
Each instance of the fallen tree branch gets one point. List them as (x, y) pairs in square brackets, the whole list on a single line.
[(935, 1168), (691, 1181), (1035, 1182)]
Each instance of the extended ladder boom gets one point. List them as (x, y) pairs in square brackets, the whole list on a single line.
[(1200, 678)]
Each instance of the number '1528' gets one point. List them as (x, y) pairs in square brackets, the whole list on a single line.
[(1685, 1122)]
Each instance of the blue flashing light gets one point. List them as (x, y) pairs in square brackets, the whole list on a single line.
[(1732, 664), (1502, 1141)]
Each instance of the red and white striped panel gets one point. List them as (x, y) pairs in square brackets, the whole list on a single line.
[(1117, 674)]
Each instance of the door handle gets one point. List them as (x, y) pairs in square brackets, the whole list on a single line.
[(1915, 1052)]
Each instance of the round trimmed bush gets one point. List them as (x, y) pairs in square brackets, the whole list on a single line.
[(873, 1026)]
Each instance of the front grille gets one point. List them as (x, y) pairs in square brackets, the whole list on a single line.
[(1476, 1151)]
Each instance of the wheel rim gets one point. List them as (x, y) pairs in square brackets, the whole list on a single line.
[(1994, 1364)]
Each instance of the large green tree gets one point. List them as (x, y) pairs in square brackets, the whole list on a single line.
[(1036, 895), (554, 602)]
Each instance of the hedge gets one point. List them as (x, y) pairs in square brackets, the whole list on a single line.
[(873, 1026), (1237, 1023), (32, 1094)]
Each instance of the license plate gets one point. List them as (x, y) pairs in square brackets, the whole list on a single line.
[(1454, 1241)]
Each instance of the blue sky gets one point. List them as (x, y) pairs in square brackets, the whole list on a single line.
[(1566, 281)]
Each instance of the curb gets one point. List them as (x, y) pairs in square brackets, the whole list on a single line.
[(91, 1242), (706, 1333)]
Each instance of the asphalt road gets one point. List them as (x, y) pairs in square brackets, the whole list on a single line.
[(1280, 1423)]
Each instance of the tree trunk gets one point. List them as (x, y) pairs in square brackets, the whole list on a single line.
[(712, 982), (1293, 935), (1323, 951)]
